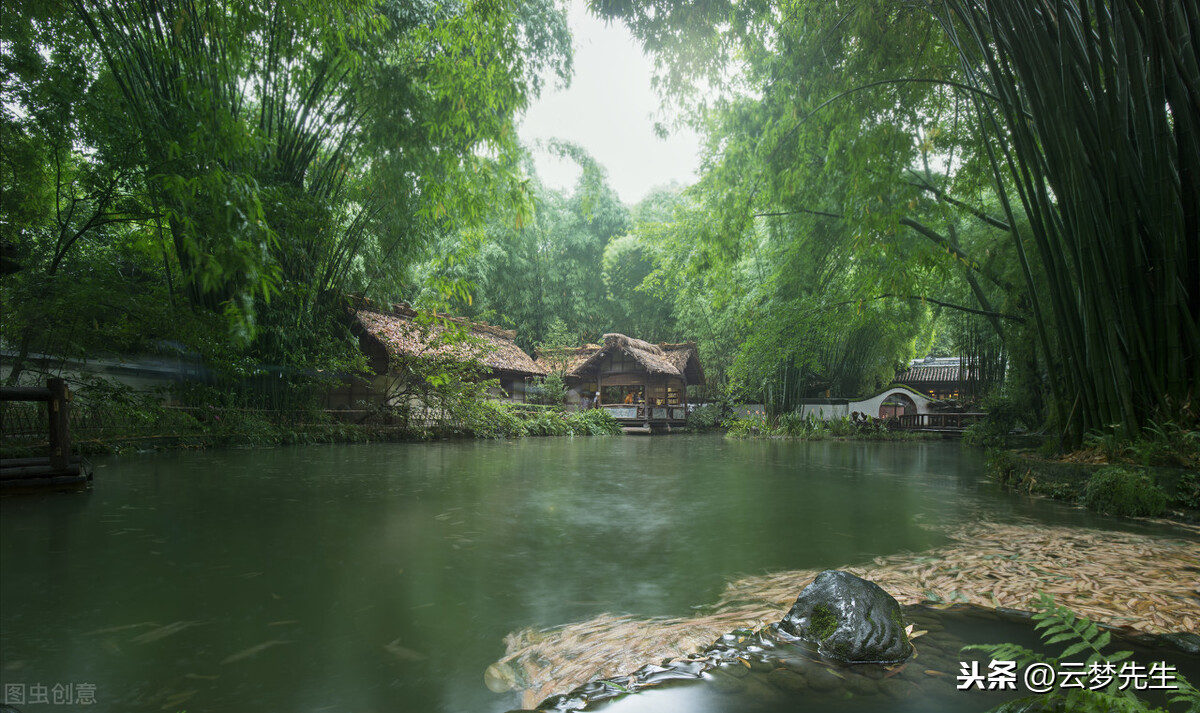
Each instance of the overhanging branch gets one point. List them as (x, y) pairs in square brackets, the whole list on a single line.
[(986, 313)]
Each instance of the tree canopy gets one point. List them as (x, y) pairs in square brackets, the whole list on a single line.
[(1014, 183)]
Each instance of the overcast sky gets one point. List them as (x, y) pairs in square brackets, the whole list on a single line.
[(609, 110)]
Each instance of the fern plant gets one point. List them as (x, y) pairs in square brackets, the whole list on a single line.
[(1060, 625)]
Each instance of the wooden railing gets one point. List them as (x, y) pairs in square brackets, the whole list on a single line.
[(642, 412), (58, 467), (938, 421)]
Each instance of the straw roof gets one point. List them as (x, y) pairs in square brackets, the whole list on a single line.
[(565, 358), (681, 360), (396, 331)]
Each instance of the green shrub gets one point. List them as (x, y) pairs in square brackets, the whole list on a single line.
[(552, 390), (792, 424), (745, 427), (489, 418), (593, 422), (1189, 490), (842, 427), (1005, 413), (1124, 491), (547, 423), (703, 417)]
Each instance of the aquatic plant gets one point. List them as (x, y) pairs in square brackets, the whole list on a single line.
[(1060, 625)]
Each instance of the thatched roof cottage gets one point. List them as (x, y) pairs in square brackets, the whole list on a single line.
[(388, 332), (637, 382)]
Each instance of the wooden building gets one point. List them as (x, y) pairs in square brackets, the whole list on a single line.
[(936, 377), (637, 382), (388, 333), (957, 379)]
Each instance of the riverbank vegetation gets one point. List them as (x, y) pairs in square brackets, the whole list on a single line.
[(812, 428), (880, 181), (125, 420)]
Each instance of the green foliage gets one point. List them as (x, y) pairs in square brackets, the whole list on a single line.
[(241, 193), (554, 390), (1167, 444), (1005, 412), (489, 418), (746, 427), (1124, 491), (795, 425), (846, 164), (705, 417), (548, 423), (540, 274), (1060, 625), (1189, 490), (593, 422)]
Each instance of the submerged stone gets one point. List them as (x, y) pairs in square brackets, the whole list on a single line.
[(849, 619)]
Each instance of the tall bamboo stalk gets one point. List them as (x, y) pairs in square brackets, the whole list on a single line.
[(1096, 135)]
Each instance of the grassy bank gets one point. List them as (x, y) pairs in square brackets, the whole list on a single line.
[(134, 426), (797, 427), (1120, 488)]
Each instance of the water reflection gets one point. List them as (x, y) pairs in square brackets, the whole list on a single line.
[(384, 577)]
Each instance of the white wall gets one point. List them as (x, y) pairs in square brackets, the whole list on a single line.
[(825, 412), (871, 406)]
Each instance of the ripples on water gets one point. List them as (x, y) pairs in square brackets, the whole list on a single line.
[(385, 577)]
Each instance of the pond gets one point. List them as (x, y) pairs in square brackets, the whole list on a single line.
[(384, 577)]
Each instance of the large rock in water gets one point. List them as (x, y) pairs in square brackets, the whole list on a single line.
[(849, 619)]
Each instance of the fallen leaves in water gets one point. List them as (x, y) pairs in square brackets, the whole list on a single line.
[(163, 632), (253, 650), (175, 700), (114, 629), (1142, 582), (402, 653)]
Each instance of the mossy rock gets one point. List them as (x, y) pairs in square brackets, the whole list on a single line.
[(850, 619)]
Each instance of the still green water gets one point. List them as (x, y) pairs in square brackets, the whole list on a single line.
[(384, 577)]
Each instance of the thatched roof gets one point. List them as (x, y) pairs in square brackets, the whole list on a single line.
[(395, 329), (680, 360), (566, 359)]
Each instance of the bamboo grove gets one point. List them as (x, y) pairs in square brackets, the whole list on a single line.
[(1096, 123), (1016, 182), (1032, 166)]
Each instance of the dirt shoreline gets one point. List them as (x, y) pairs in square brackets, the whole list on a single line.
[(1145, 583)]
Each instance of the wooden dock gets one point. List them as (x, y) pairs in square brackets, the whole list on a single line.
[(58, 469)]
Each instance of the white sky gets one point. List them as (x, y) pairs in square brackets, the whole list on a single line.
[(609, 110)]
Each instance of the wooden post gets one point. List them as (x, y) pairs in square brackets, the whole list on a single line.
[(59, 408), (684, 394)]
